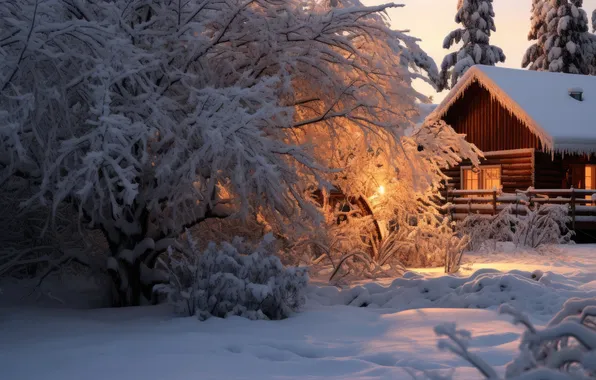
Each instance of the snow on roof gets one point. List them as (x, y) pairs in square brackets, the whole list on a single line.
[(541, 100)]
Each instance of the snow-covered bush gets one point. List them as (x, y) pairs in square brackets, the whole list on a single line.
[(233, 279), (423, 241), (525, 226), (429, 241), (564, 349), (548, 224)]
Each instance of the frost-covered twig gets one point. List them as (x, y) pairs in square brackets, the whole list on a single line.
[(457, 343)]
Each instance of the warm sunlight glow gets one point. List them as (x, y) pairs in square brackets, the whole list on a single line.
[(381, 189)]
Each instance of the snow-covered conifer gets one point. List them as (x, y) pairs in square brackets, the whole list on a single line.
[(535, 56), (477, 19), (563, 43)]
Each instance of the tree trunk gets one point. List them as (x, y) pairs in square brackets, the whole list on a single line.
[(126, 276)]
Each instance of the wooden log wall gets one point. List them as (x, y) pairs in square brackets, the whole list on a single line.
[(517, 168), (550, 171)]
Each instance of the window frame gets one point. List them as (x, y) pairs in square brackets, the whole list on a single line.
[(480, 175)]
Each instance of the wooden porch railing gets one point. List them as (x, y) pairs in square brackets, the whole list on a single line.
[(582, 211)]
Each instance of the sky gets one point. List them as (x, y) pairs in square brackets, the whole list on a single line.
[(432, 20)]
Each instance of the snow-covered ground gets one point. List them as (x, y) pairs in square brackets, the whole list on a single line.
[(390, 336)]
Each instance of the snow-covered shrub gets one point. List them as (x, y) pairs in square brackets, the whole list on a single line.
[(543, 225), (479, 230), (564, 349), (485, 231), (233, 279), (429, 241), (523, 225), (419, 242)]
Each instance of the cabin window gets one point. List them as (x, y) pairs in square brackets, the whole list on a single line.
[(589, 179), (583, 176), (470, 179), (481, 178)]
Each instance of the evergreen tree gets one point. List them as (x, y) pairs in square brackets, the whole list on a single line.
[(477, 18), (535, 56), (563, 41), (592, 46)]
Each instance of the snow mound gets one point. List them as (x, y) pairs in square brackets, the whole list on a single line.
[(539, 293)]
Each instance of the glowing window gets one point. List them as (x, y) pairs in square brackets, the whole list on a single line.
[(482, 178)]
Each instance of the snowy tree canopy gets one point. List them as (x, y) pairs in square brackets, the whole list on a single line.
[(563, 43), (477, 19), (151, 116)]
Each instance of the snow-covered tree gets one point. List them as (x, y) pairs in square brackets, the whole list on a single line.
[(477, 19), (535, 56), (149, 117), (563, 43), (592, 46)]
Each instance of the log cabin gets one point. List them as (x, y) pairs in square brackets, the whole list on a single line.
[(536, 129)]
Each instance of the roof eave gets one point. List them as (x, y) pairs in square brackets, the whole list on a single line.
[(566, 145)]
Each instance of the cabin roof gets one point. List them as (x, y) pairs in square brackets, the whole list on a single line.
[(541, 100)]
